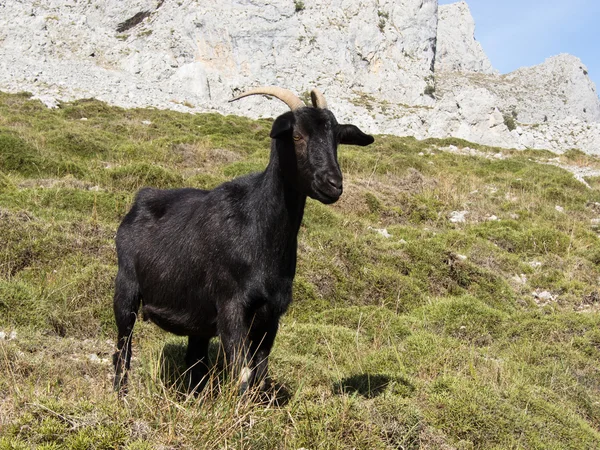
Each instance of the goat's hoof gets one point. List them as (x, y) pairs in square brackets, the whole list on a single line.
[(120, 385)]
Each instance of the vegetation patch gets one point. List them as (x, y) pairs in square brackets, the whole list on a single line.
[(510, 122), (406, 331)]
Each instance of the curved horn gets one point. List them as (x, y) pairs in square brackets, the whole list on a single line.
[(318, 100), (286, 96)]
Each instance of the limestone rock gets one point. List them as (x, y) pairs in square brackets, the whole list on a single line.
[(201, 54), (458, 216), (558, 89), (381, 231), (554, 105), (403, 67), (457, 49)]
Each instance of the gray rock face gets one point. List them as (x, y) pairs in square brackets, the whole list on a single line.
[(553, 105), (573, 94), (390, 66), (457, 49), (204, 52)]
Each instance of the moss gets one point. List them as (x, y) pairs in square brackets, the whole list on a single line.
[(531, 241), (465, 318), (372, 321), (242, 168), (5, 182), (421, 208), (20, 296), (89, 108), (510, 122), (472, 406), (138, 175), (18, 156), (373, 203), (205, 181), (81, 144)]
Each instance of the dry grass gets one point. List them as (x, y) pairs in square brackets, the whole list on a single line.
[(430, 338)]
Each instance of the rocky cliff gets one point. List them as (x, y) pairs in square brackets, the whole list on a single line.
[(457, 49), (398, 67)]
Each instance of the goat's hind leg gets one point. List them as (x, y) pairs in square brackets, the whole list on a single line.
[(126, 304)]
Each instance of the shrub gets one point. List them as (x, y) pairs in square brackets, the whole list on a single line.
[(510, 122)]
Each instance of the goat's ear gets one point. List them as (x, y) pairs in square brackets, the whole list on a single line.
[(351, 135), (283, 125)]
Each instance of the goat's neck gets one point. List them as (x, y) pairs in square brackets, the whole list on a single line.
[(288, 203)]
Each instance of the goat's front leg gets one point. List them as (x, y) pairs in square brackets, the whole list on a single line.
[(197, 360), (262, 342), (234, 334)]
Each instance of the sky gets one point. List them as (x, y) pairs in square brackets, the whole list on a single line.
[(517, 33)]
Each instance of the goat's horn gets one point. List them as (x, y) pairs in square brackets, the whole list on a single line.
[(286, 96), (318, 100)]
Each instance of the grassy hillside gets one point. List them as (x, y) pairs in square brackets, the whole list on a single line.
[(476, 335)]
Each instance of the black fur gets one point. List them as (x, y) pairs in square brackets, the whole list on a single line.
[(222, 262)]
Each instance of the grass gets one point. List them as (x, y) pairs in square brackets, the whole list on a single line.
[(431, 338)]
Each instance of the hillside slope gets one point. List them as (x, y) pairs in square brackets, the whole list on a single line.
[(437, 333), (403, 67)]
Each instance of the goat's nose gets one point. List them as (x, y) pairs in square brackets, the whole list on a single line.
[(335, 182)]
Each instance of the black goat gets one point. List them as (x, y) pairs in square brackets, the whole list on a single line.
[(222, 262)]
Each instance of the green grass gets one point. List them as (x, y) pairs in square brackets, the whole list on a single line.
[(431, 338)]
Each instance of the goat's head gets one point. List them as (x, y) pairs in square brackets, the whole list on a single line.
[(309, 137)]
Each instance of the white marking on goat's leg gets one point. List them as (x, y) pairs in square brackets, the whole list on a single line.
[(245, 375)]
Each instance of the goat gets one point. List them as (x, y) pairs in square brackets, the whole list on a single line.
[(222, 262)]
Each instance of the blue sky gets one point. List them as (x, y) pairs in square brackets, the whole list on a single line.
[(516, 33)]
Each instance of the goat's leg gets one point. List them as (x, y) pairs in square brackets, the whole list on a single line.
[(234, 334), (262, 343), (196, 359), (126, 305)]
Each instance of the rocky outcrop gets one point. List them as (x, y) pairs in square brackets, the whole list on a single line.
[(557, 89), (391, 66), (457, 49), (553, 106), (201, 54)]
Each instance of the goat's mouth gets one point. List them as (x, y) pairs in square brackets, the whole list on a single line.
[(326, 196)]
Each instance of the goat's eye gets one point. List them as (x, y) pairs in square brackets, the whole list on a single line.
[(297, 137)]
